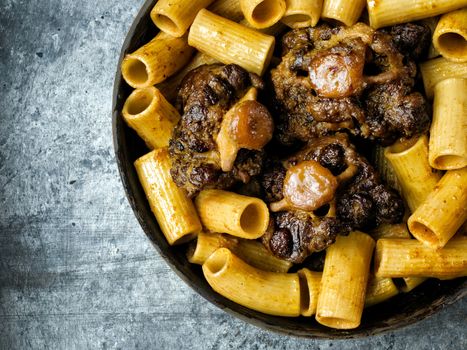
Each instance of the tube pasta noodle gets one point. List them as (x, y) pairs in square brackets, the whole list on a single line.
[(443, 212), (268, 292), (206, 244), (262, 13), (344, 282), (175, 16), (431, 22), (438, 69), (275, 29), (385, 169), (302, 13), (410, 283), (343, 11), (170, 86), (391, 231), (462, 231), (409, 160), (384, 13), (252, 252), (235, 214), (255, 254), (229, 9), (174, 211), (397, 231), (154, 62), (151, 116), (448, 134), (230, 42), (409, 257), (379, 289), (450, 36), (310, 284)]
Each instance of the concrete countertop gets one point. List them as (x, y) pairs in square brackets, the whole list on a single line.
[(76, 270)]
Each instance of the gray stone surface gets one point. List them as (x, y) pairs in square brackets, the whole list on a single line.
[(76, 270)]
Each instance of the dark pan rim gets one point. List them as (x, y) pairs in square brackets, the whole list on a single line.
[(255, 318)]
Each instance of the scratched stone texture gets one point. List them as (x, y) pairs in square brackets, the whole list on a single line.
[(76, 270)]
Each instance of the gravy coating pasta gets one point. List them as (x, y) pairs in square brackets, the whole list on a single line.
[(287, 162)]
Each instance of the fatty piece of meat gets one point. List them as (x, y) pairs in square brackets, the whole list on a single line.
[(294, 235), (411, 39), (205, 95), (326, 75), (361, 201), (394, 106)]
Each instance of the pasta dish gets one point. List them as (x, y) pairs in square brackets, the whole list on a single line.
[(311, 155)]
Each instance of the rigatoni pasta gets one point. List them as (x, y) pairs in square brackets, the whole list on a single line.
[(448, 134), (151, 116), (262, 13), (310, 285), (230, 42), (407, 283), (255, 254), (206, 244), (409, 257), (229, 9), (235, 214), (438, 69), (275, 29), (384, 13), (409, 159), (268, 292), (174, 211), (431, 22), (250, 251), (153, 62), (385, 169), (379, 289), (344, 282), (302, 13), (450, 36), (391, 231), (410, 283), (443, 212), (175, 16), (343, 11)]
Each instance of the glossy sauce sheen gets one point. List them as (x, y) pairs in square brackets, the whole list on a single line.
[(404, 310), (336, 75), (252, 125), (309, 185)]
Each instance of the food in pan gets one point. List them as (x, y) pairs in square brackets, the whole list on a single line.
[(289, 159), (353, 78), (325, 189), (205, 96)]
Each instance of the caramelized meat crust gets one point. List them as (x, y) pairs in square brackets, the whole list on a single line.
[(360, 202), (294, 235), (411, 39), (330, 79), (205, 95)]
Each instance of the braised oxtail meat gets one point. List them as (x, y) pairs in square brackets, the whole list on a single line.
[(327, 75), (206, 95), (307, 217), (411, 39)]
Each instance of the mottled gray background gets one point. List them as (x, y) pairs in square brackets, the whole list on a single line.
[(76, 270)]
